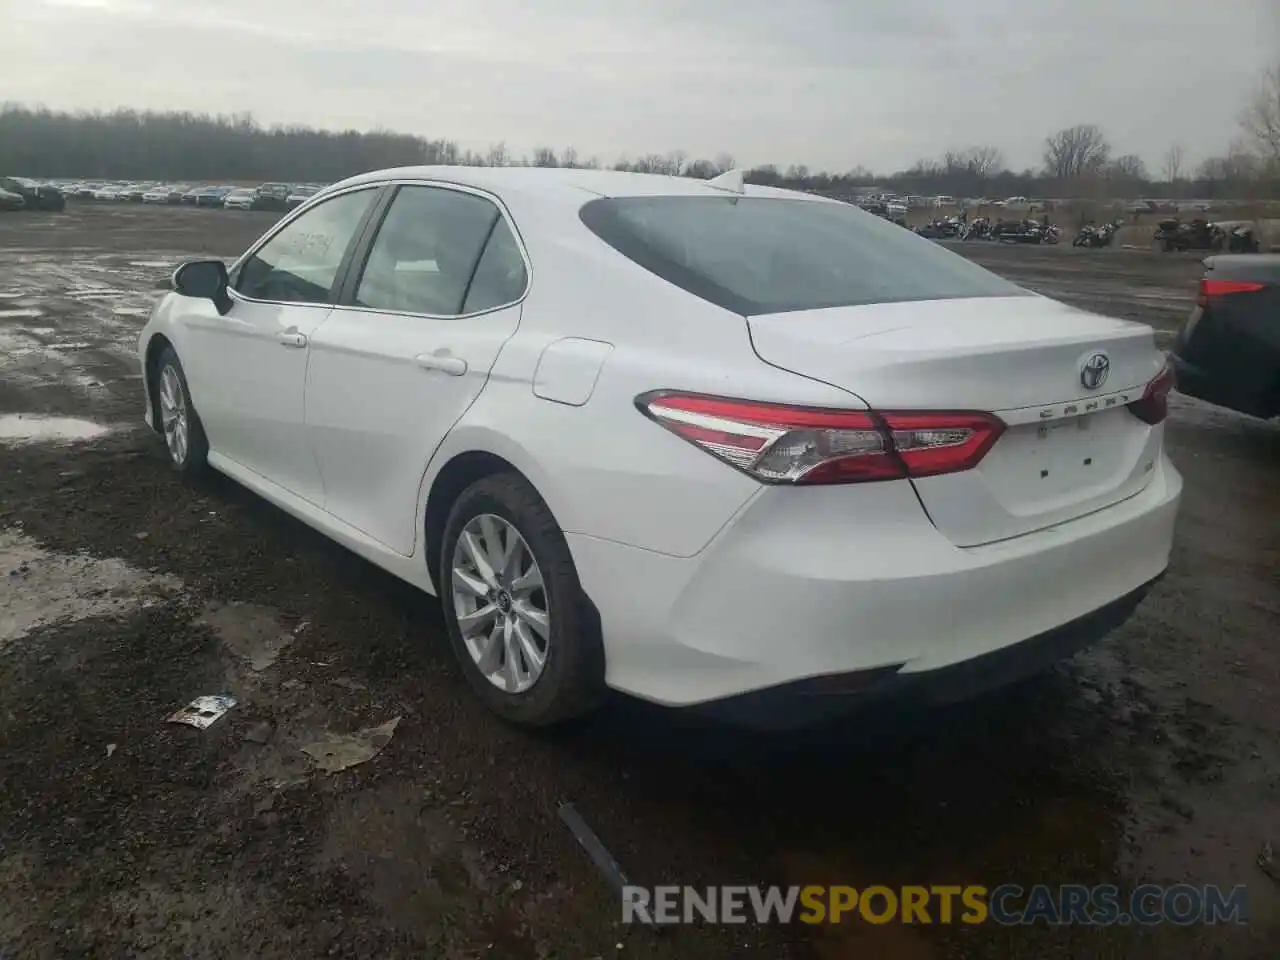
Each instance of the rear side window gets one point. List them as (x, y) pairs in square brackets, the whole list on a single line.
[(755, 255), (500, 276), (425, 251)]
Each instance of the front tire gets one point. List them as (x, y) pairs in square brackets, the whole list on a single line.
[(176, 417), (525, 635)]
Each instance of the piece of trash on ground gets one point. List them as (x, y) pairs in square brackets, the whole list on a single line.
[(203, 711), (111, 748), (337, 751), (599, 854)]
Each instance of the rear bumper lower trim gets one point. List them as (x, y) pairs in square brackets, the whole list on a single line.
[(807, 702)]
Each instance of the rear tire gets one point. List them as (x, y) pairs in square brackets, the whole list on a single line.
[(569, 682), (176, 419)]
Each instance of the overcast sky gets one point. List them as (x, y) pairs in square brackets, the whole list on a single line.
[(828, 83)]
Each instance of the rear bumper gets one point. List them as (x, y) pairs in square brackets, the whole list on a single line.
[(1242, 390), (807, 702), (832, 581)]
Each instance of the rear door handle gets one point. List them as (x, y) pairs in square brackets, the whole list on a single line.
[(291, 338), (443, 361)]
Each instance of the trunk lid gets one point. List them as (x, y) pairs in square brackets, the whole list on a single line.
[(1069, 450)]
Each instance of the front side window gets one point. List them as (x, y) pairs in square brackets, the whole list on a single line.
[(300, 263), (426, 251)]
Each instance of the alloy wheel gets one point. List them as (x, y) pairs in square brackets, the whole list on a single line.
[(173, 414), (500, 603)]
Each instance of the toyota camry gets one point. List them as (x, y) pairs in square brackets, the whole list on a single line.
[(711, 444)]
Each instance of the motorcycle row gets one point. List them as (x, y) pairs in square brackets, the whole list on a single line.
[(983, 228), (1171, 234)]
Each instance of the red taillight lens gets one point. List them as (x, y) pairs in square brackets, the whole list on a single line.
[(783, 444), (1224, 288), (1154, 405)]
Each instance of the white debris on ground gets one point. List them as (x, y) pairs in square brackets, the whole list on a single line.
[(202, 712), (39, 587), (18, 428)]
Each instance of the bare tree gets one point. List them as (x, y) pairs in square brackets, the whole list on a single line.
[(569, 157), (1127, 167), (723, 162), (1172, 163), (982, 162), (1075, 151), (497, 156), (545, 157), (1261, 115)]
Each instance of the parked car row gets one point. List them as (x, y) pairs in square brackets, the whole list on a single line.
[(266, 196)]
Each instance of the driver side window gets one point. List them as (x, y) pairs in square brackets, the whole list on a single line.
[(300, 263)]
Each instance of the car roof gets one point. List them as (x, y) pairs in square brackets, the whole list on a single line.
[(565, 182)]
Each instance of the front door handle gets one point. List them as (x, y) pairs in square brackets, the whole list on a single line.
[(442, 360), (292, 338)]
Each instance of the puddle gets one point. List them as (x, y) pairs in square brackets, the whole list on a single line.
[(25, 428), (131, 311), (11, 294), (78, 345), (150, 263), (39, 587), (251, 631), (24, 312)]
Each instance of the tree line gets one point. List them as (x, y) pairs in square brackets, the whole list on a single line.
[(179, 146)]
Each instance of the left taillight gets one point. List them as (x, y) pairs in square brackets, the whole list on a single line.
[(778, 443), (1153, 406)]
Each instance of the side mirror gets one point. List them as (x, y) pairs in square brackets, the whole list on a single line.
[(205, 279)]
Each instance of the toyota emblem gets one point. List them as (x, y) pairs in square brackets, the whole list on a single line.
[(1094, 372)]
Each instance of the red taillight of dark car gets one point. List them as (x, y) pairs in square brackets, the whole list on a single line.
[(1224, 288)]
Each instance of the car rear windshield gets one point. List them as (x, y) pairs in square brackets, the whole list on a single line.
[(756, 255)]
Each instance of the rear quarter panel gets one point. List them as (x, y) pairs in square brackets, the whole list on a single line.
[(604, 468)]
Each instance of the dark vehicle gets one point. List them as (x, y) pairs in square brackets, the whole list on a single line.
[(977, 229), (1026, 231), (1241, 239), (1095, 235), (941, 228), (11, 201), (1228, 351), (86, 190), (192, 194), (1172, 234), (272, 196), (211, 196), (35, 196), (300, 195)]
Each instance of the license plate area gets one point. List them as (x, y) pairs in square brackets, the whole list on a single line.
[(1070, 456)]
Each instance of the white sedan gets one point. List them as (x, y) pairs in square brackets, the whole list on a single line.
[(241, 199), (708, 444)]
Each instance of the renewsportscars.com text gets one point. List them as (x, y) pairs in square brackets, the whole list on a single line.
[(1008, 904)]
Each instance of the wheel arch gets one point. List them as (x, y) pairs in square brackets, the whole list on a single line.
[(151, 370), (471, 456)]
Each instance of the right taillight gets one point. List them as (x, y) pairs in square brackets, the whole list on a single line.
[(1153, 407), (1224, 288), (778, 443)]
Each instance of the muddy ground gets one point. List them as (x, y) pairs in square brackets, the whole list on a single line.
[(124, 593)]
